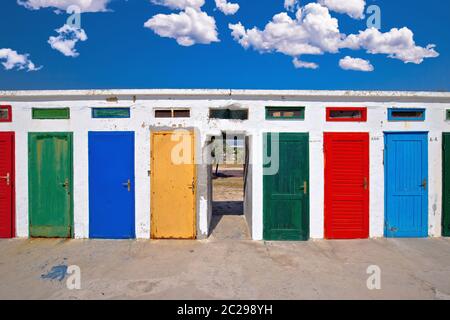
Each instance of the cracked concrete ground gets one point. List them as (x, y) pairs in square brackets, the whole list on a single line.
[(226, 269)]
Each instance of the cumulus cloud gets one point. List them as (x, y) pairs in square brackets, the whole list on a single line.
[(397, 44), (179, 4), (357, 64), (84, 5), (354, 8), (67, 38), (188, 27), (313, 31), (302, 64), (226, 7), (11, 59), (291, 5)]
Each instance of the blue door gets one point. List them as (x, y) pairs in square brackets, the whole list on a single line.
[(111, 185), (406, 185)]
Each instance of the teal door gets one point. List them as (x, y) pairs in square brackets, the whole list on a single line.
[(285, 184), (446, 185)]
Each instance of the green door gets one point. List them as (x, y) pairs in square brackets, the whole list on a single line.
[(286, 191), (50, 184), (446, 185)]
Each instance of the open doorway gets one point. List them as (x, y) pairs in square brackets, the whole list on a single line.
[(228, 176)]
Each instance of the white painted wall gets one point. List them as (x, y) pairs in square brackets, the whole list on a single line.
[(142, 121)]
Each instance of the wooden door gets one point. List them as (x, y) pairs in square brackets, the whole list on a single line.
[(50, 184), (346, 185), (286, 195), (7, 179), (173, 185)]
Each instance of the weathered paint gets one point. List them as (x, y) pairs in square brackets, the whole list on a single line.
[(7, 182), (50, 184), (406, 163), (346, 185), (144, 102), (286, 196), (446, 184), (173, 185), (111, 185)]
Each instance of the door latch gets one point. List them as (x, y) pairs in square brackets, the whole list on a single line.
[(192, 186), (424, 184), (7, 178), (66, 184), (365, 183), (127, 184)]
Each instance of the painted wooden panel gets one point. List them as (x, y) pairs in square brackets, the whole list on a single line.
[(102, 113), (446, 185), (7, 184), (50, 184), (346, 185), (173, 184), (406, 185), (286, 195), (50, 113), (111, 185)]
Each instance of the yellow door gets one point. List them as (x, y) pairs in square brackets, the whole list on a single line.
[(173, 185)]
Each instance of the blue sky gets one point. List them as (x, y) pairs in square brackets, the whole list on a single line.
[(121, 53)]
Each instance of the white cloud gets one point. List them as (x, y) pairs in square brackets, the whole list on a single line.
[(397, 44), (84, 5), (187, 27), (179, 4), (354, 8), (313, 31), (67, 38), (357, 64), (11, 59), (291, 5), (226, 7), (302, 64)]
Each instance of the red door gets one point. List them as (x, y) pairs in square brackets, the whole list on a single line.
[(6, 184), (346, 185)]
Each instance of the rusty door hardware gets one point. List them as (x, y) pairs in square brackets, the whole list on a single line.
[(7, 178), (192, 186), (305, 187), (365, 184), (424, 184), (66, 184)]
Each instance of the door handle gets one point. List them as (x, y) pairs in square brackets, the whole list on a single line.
[(192, 186), (7, 178), (365, 183), (65, 184), (424, 184), (127, 184)]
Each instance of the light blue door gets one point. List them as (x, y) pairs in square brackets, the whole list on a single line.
[(406, 185), (111, 185)]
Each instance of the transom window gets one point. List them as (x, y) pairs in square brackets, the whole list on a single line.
[(447, 115), (50, 113), (347, 114), (103, 113), (5, 114), (172, 113), (397, 114), (285, 113), (231, 114)]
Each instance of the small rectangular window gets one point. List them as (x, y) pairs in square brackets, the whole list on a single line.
[(172, 113), (110, 113), (229, 114), (50, 113), (395, 114), (181, 113), (5, 114), (447, 115), (285, 113), (346, 114)]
